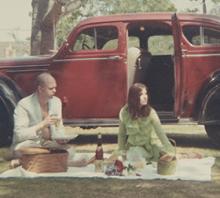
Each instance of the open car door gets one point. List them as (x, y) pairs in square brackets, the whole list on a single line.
[(178, 64)]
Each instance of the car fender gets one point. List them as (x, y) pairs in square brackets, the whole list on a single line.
[(202, 97), (213, 93), (9, 96), (10, 90)]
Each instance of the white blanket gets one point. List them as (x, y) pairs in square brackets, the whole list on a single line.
[(187, 169)]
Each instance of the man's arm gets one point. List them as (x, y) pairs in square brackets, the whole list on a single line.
[(22, 129), (160, 132)]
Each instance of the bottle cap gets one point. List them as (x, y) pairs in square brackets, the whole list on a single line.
[(99, 135)]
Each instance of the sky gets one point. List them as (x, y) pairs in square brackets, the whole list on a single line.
[(184, 4), (15, 17)]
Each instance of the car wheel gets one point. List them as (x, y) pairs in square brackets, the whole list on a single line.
[(6, 126)]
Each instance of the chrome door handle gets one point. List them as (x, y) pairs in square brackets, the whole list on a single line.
[(115, 58)]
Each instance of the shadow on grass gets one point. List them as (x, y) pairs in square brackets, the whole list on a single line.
[(105, 188), (184, 140), (216, 170), (194, 140)]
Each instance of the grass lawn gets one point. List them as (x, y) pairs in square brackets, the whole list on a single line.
[(109, 188), (106, 188)]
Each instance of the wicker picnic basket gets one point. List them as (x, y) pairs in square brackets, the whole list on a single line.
[(40, 160), (167, 167)]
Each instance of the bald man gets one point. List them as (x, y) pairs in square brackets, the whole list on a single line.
[(32, 115)]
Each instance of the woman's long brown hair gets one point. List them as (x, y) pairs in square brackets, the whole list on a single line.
[(134, 107)]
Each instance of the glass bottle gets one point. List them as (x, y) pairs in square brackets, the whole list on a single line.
[(99, 155), (99, 149)]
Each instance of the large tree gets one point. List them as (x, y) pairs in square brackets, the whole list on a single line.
[(45, 15)]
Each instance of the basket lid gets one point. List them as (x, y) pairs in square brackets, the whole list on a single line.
[(33, 150)]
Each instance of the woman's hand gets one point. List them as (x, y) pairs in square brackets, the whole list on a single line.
[(167, 157)]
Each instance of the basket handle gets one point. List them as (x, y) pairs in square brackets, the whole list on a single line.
[(173, 142)]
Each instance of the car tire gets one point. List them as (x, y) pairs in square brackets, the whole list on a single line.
[(6, 125)]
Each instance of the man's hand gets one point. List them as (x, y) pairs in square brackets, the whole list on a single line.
[(62, 141), (46, 134), (50, 120), (55, 119)]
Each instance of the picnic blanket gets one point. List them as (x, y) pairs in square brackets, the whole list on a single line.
[(187, 169)]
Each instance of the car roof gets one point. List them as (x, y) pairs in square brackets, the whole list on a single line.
[(161, 16)]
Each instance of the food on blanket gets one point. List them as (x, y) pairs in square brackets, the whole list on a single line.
[(114, 169), (119, 166), (61, 135), (111, 159), (192, 155), (64, 133), (139, 164), (130, 167), (110, 170)]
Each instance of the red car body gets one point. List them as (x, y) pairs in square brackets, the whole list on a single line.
[(92, 70)]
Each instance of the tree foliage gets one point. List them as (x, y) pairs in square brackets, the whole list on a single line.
[(216, 9), (203, 4), (106, 7), (122, 6), (43, 30), (216, 1)]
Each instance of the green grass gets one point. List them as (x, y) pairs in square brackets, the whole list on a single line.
[(105, 188), (114, 188)]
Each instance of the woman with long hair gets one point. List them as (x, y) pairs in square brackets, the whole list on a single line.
[(140, 131)]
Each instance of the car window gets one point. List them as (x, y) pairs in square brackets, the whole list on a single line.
[(161, 45), (97, 38), (199, 35)]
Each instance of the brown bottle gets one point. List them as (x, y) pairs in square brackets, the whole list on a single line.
[(99, 149)]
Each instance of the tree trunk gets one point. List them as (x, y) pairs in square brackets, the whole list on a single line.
[(35, 32), (46, 13)]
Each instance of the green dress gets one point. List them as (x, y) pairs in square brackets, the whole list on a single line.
[(144, 132)]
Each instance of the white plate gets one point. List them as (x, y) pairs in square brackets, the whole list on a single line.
[(64, 136)]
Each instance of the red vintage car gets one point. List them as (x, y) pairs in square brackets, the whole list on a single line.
[(176, 55)]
